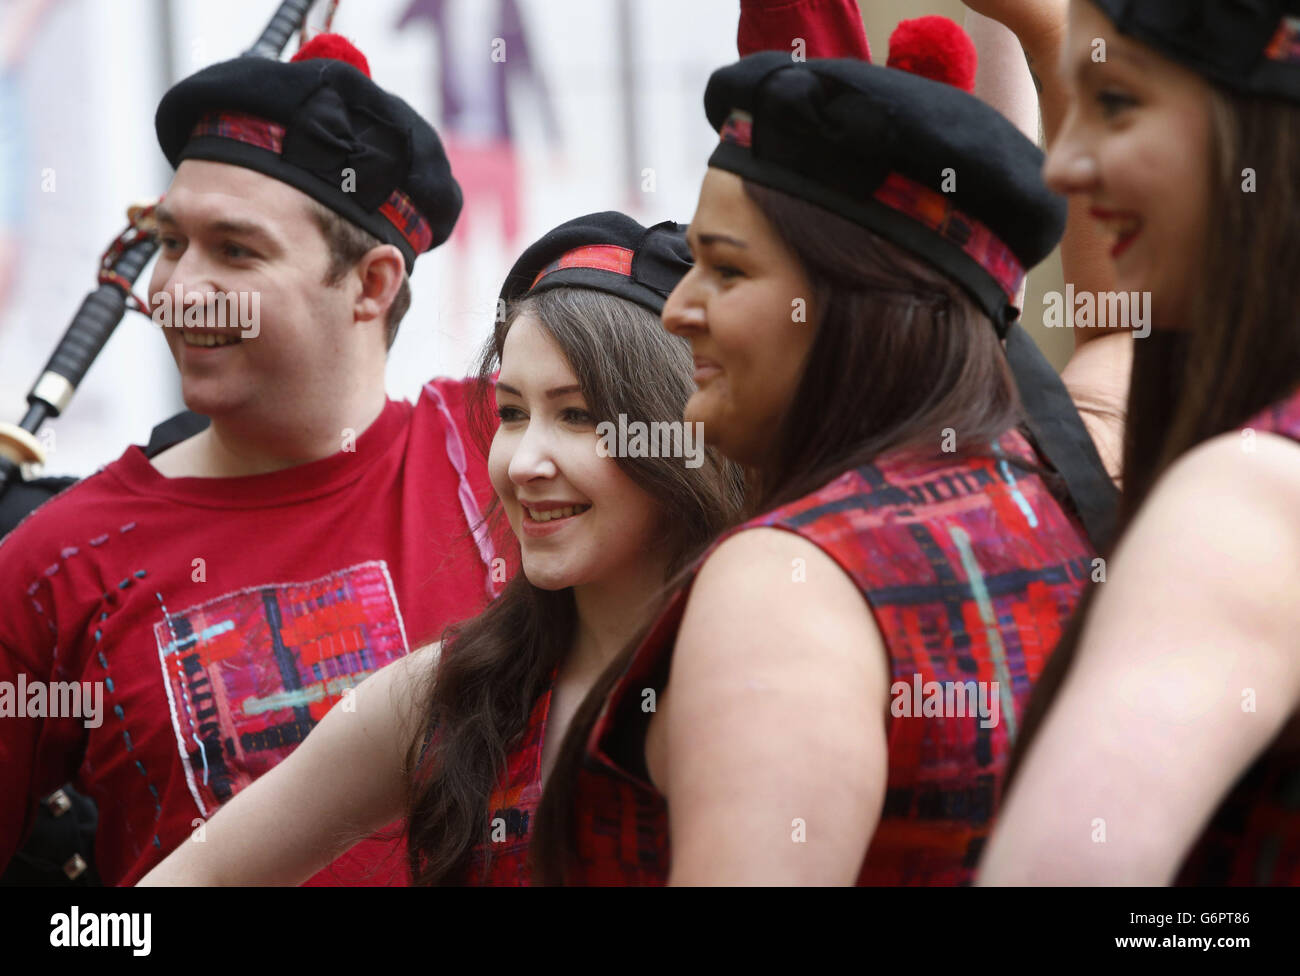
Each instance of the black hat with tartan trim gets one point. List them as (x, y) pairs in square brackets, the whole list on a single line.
[(321, 125), (921, 162), (609, 252), (1249, 46)]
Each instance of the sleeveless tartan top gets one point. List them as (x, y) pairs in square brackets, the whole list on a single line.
[(971, 570), (1254, 836), (513, 807)]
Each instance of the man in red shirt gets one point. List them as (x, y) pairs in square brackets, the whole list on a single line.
[(211, 603)]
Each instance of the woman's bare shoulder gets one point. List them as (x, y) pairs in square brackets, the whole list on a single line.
[(1224, 521)]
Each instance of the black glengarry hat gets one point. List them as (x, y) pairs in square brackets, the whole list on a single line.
[(321, 125), (932, 169), (1249, 46), (608, 252), (920, 162)]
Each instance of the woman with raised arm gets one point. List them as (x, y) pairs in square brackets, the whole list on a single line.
[(1164, 742), (1098, 372), (462, 739), (833, 695)]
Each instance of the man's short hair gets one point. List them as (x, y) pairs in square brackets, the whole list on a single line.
[(348, 244)]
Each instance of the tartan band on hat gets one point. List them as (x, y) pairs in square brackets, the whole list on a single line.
[(399, 210), (324, 127), (607, 252), (921, 163), (1249, 46), (927, 207)]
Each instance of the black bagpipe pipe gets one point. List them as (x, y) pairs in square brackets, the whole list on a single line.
[(104, 307), (59, 849)]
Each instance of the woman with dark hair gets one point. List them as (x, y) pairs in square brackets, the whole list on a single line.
[(461, 735), (833, 694), (1163, 743)]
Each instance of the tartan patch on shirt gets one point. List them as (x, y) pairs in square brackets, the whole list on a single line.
[(250, 673)]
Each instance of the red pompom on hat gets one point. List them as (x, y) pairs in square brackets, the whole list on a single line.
[(934, 48), (334, 46)]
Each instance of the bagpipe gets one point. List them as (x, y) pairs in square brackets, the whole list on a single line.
[(59, 849)]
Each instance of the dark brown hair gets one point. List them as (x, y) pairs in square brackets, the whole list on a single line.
[(1240, 350), (347, 245), (901, 354), (494, 666)]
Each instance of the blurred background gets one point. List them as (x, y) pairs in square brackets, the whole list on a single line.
[(598, 105)]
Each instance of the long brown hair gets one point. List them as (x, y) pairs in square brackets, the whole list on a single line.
[(1240, 351), (901, 353), (494, 666)]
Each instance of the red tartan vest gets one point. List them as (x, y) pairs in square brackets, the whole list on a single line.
[(971, 569), (512, 807), (1254, 836)]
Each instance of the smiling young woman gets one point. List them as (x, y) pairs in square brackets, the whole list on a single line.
[(1168, 723), (844, 313), (598, 536)]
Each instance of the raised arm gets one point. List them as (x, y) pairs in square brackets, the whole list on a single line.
[(1097, 375), (1039, 28), (828, 28), (1003, 78), (1187, 671), (343, 783)]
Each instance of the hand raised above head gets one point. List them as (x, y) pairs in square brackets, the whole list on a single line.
[(1029, 20)]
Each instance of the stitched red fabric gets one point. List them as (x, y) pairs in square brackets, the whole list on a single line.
[(222, 617), (971, 569)]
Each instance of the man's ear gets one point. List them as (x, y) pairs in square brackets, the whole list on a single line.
[(380, 273)]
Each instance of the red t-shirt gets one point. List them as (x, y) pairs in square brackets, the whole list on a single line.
[(223, 617)]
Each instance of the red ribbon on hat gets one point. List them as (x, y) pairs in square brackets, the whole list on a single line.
[(598, 257)]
